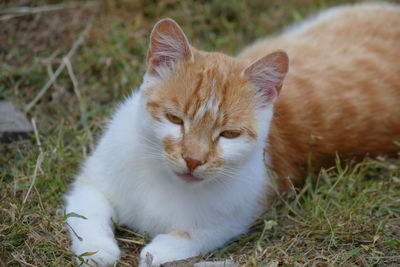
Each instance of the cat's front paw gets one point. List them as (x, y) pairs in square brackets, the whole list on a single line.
[(167, 247), (99, 252)]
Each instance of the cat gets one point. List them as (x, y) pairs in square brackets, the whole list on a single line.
[(185, 157)]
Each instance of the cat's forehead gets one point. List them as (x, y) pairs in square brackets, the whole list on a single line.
[(209, 91)]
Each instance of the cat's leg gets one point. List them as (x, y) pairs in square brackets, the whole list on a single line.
[(179, 245), (94, 234)]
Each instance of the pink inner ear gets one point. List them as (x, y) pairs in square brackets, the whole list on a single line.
[(168, 44), (267, 74), (266, 80), (158, 62)]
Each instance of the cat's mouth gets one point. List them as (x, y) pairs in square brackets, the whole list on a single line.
[(189, 177)]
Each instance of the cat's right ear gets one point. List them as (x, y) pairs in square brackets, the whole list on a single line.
[(168, 45), (267, 74)]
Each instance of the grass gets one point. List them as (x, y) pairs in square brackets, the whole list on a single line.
[(349, 216)]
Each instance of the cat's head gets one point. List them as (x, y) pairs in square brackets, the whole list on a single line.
[(210, 112)]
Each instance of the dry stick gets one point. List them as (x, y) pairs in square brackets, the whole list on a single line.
[(75, 85), (7, 17), (47, 85), (60, 68), (49, 66), (50, 72), (38, 163), (13, 12), (126, 230), (23, 262), (278, 249), (123, 263), (131, 241), (74, 232), (36, 135), (82, 105)]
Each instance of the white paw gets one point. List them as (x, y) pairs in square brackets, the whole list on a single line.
[(102, 251), (165, 248)]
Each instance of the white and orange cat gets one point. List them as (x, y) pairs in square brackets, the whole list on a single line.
[(184, 158)]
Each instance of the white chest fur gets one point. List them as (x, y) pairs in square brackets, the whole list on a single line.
[(148, 198)]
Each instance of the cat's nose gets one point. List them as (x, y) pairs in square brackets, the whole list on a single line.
[(192, 163)]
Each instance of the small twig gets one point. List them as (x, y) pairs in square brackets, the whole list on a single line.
[(297, 221), (36, 135), (82, 105), (73, 231), (278, 249), (7, 17), (45, 87), (291, 245), (51, 72), (75, 85), (116, 226), (23, 262), (60, 68), (131, 241), (48, 62), (14, 12), (73, 78), (38, 163)]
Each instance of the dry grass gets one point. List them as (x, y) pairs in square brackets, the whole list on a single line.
[(350, 216)]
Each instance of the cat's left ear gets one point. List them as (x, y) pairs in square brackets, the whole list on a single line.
[(168, 45), (267, 74)]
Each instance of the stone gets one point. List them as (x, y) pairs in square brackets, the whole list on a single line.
[(13, 123)]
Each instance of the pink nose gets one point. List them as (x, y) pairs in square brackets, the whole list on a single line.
[(192, 163)]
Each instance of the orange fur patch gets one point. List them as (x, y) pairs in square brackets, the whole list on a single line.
[(342, 91), (182, 234)]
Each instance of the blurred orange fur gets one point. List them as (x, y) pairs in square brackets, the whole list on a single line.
[(342, 93)]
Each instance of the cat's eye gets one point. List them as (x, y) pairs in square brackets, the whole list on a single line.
[(230, 134), (174, 119)]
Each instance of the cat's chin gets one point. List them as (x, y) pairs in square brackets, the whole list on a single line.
[(189, 177)]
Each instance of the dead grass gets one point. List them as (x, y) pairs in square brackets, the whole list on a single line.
[(350, 216)]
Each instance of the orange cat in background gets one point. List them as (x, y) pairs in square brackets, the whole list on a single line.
[(342, 90), (183, 158)]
